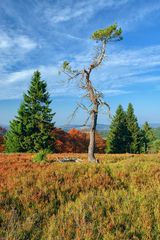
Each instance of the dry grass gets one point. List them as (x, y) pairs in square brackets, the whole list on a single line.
[(117, 199)]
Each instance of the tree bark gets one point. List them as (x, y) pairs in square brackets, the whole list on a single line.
[(91, 148)]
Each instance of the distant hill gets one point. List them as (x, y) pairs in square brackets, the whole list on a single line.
[(100, 127), (104, 128), (4, 126), (155, 125)]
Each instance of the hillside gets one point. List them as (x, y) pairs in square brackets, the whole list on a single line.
[(100, 127), (116, 199)]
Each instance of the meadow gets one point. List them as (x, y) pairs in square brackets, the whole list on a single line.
[(117, 199)]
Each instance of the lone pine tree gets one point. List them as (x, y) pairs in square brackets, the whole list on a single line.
[(31, 130), (95, 97), (119, 137)]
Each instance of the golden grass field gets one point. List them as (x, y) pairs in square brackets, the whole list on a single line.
[(117, 199)]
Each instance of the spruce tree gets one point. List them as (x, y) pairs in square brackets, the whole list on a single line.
[(118, 137), (148, 137), (134, 130), (31, 130), (15, 136)]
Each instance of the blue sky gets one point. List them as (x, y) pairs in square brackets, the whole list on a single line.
[(41, 34)]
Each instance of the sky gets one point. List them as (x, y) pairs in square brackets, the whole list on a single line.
[(41, 34)]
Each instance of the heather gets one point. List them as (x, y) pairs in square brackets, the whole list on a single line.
[(119, 198)]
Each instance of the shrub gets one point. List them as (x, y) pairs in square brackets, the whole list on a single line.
[(40, 157)]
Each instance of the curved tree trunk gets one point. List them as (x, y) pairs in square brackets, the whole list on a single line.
[(95, 97), (91, 148)]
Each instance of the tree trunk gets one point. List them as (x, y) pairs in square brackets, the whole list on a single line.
[(91, 148)]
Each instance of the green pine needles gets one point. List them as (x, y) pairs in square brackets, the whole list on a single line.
[(125, 135), (111, 33), (119, 137), (31, 130), (134, 130)]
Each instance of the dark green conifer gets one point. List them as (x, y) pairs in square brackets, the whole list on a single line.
[(31, 130), (134, 130), (14, 138), (118, 137), (148, 137)]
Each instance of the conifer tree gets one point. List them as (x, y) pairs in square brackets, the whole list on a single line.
[(31, 130), (134, 130), (148, 137), (15, 136), (118, 137)]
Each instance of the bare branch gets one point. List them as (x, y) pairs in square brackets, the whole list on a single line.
[(72, 116), (86, 95), (71, 75), (86, 121), (81, 105), (105, 104), (99, 56)]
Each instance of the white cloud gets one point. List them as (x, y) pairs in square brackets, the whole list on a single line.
[(14, 84), (123, 69), (5, 41), (120, 70), (138, 14), (128, 67), (13, 50), (145, 57), (65, 15), (16, 41), (25, 75), (25, 42), (19, 76), (115, 92), (83, 9)]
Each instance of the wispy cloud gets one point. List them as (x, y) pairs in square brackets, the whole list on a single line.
[(115, 92), (25, 42), (136, 57), (14, 49), (56, 27), (122, 69), (82, 10), (20, 76), (128, 67), (136, 15), (16, 41), (16, 83)]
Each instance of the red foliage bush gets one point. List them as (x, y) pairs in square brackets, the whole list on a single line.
[(63, 141), (76, 141)]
